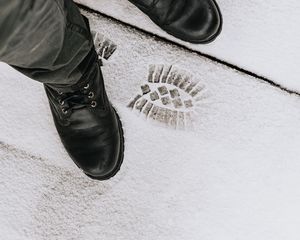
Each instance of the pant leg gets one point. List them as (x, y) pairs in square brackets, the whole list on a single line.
[(47, 40)]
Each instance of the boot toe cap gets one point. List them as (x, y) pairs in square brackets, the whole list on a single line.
[(202, 23), (99, 158)]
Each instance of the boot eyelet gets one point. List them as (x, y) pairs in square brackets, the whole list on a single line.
[(60, 93), (93, 104), (61, 102), (64, 111), (87, 86), (91, 95)]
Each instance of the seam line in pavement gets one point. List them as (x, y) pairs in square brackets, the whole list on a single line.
[(212, 58)]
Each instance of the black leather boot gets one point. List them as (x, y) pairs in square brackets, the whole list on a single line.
[(195, 21), (88, 125)]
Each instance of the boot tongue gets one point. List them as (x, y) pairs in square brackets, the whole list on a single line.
[(168, 11)]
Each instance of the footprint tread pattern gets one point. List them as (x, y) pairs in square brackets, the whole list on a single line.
[(170, 96)]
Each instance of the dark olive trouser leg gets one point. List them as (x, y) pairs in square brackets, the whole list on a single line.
[(49, 40)]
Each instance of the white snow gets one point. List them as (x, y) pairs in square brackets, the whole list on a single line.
[(259, 36), (234, 177)]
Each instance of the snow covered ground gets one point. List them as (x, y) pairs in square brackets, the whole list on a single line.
[(259, 36), (234, 176)]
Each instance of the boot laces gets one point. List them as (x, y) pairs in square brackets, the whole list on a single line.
[(77, 100)]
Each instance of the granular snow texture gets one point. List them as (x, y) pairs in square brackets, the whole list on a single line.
[(259, 36), (234, 176)]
